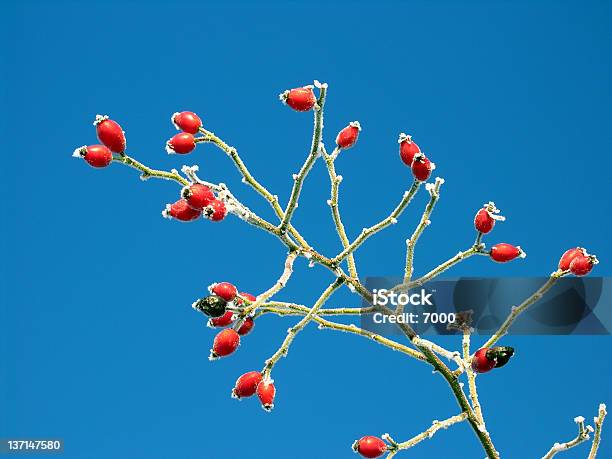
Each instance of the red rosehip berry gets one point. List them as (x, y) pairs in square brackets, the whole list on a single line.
[(348, 136), (370, 446), (481, 363), (110, 133), (583, 264), (246, 385), (485, 218), (181, 211), (299, 99), (503, 252), (266, 392), (95, 155), (225, 290), (246, 326), (568, 257), (187, 121), (408, 149), (222, 321), (215, 211), (198, 196), (181, 143), (225, 343), (421, 167)]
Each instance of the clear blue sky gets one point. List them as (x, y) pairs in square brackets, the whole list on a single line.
[(98, 343)]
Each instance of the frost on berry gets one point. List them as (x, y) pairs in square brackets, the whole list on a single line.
[(99, 119), (79, 152)]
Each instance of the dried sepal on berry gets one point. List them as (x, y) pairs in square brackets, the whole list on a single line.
[(215, 211), (186, 121), (299, 99), (408, 149), (96, 155), (110, 133), (485, 218)]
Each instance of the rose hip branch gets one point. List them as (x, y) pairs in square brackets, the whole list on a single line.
[(235, 312)]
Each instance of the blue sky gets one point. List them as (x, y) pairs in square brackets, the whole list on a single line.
[(98, 343)]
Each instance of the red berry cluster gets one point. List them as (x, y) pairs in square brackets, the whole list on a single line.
[(196, 200), (577, 261), (112, 138), (414, 158), (222, 306), (184, 142)]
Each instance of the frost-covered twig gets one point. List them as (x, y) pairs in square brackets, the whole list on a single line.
[(249, 179), (315, 150), (350, 328), (471, 375), (598, 420), (392, 218), (428, 433), (475, 249), (583, 435), (265, 296), (434, 193), (293, 331), (147, 172), (454, 356), (517, 310), (333, 204)]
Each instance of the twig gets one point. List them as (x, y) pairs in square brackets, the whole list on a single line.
[(583, 435), (315, 150), (517, 310), (474, 250), (434, 193), (333, 204), (392, 218), (248, 178), (435, 426), (293, 331), (296, 309), (598, 420), (471, 375), (280, 283), (147, 172)]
